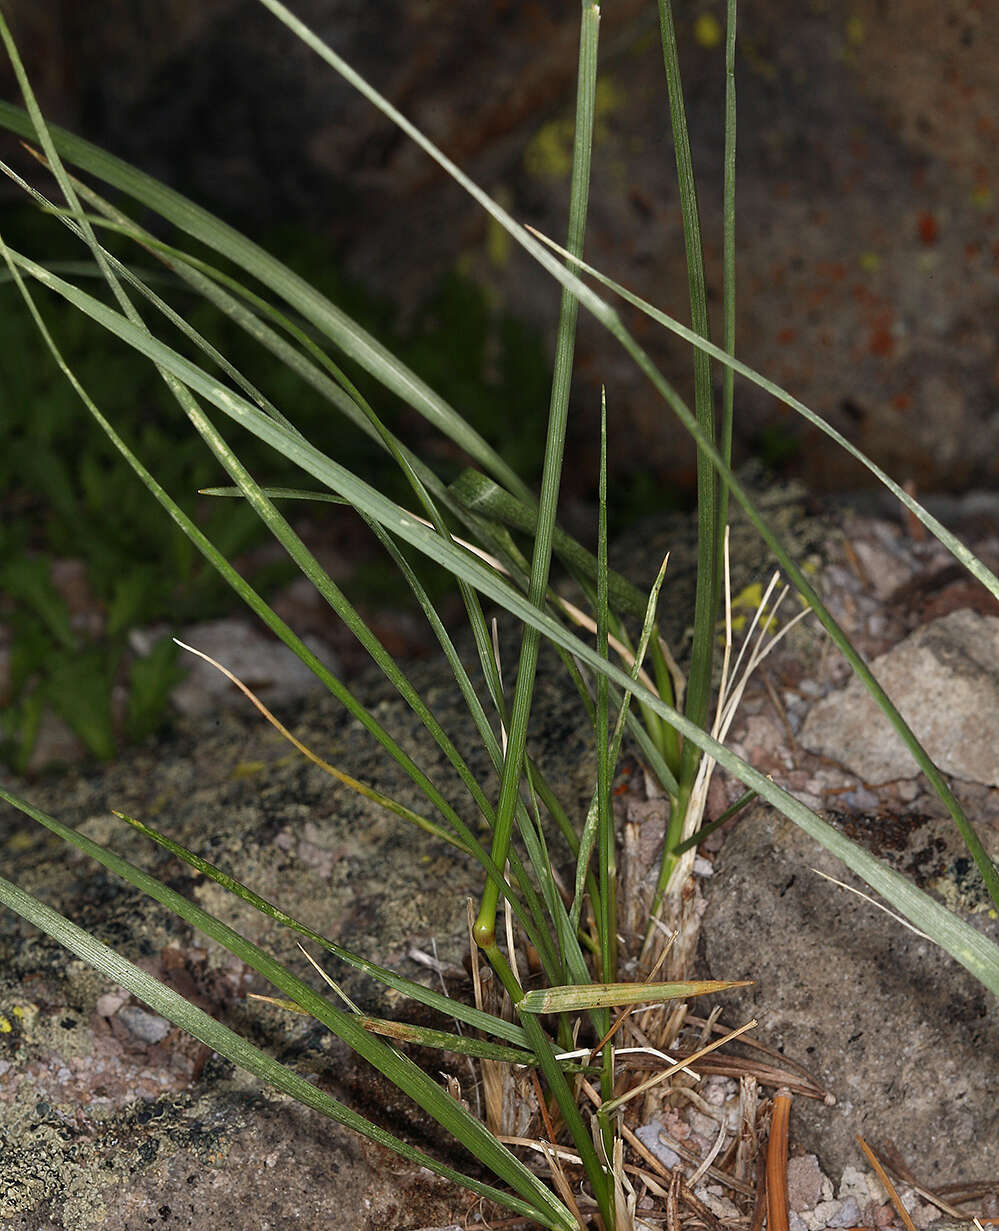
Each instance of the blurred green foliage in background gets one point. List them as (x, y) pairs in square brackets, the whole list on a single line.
[(67, 496)]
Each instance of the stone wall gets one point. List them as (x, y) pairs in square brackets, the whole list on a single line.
[(866, 195)]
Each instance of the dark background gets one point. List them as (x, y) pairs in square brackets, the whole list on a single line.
[(868, 275), (866, 194)]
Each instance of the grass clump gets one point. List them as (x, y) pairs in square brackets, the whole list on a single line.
[(563, 1027)]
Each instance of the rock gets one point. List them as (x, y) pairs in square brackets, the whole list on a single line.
[(224, 1156), (55, 744), (804, 1182), (649, 1135), (880, 323), (863, 1187), (149, 1027), (266, 666), (849, 1214), (106, 1118), (944, 680), (903, 1037)]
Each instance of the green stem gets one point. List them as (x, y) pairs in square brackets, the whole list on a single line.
[(706, 601), (485, 924)]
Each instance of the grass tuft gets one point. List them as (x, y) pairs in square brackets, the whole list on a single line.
[(565, 1044)]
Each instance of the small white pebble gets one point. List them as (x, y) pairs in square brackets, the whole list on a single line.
[(648, 1135), (149, 1027), (849, 1214), (109, 1004)]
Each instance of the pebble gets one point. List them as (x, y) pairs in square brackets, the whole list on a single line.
[(648, 1135), (149, 1027)]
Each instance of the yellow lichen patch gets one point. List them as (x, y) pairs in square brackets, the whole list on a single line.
[(24, 1015), (247, 769), (549, 152), (608, 99), (5, 1026), (869, 262), (708, 30), (855, 30), (745, 605)]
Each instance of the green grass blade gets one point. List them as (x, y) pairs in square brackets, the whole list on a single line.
[(479, 494), (486, 1022), (589, 835), (728, 265), (506, 809), (276, 493), (550, 479), (445, 1040), (606, 907), (709, 533), (256, 603), (401, 1071), (944, 928), (652, 751), (426, 1036), (233, 1047), (347, 334)]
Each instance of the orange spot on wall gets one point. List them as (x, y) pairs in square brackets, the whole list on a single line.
[(901, 401), (928, 228), (881, 342), (787, 335), (832, 271)]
